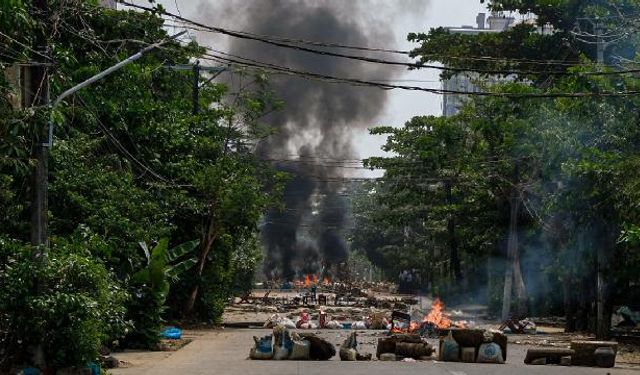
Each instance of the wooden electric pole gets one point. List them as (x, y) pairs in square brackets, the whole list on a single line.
[(38, 89), (196, 88)]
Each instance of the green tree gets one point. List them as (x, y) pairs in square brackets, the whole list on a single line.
[(131, 163), (558, 171)]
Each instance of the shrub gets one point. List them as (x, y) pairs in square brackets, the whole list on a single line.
[(68, 306)]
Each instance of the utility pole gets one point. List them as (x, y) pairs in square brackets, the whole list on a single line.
[(603, 325), (604, 249), (196, 88), (197, 69), (38, 89), (39, 232), (37, 94), (512, 271)]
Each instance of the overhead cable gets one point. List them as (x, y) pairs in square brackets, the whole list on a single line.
[(413, 65), (359, 82)]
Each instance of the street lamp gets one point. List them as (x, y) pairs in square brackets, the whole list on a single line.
[(40, 219)]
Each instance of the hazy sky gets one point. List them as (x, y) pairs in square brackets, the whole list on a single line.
[(401, 105)]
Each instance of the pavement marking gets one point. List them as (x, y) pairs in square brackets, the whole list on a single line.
[(457, 373)]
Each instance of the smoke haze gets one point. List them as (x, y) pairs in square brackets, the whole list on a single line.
[(320, 119)]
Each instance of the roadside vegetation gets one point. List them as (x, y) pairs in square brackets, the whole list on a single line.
[(153, 209), (519, 200)]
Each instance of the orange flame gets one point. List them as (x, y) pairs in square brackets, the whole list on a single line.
[(307, 281), (436, 316)]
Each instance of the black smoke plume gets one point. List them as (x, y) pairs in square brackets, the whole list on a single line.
[(319, 118)]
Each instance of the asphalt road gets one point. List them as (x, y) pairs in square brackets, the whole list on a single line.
[(226, 352)]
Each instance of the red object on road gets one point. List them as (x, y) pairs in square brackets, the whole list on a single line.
[(323, 319)]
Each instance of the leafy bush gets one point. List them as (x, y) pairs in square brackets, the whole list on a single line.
[(150, 286), (68, 306), (246, 257)]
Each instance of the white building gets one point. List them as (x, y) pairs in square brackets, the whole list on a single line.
[(108, 3), (495, 23)]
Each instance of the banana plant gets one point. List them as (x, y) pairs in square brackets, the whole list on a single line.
[(165, 265)]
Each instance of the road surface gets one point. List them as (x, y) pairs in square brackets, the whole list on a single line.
[(226, 351)]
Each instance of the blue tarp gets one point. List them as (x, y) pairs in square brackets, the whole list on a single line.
[(172, 333)]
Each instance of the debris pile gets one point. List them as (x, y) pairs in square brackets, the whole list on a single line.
[(519, 326), (357, 319), (428, 325)]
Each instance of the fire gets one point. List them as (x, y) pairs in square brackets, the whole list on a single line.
[(413, 326), (436, 316), (436, 319), (307, 281), (326, 281)]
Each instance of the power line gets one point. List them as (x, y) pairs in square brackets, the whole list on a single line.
[(436, 56), (205, 28), (123, 149), (358, 82), (275, 42)]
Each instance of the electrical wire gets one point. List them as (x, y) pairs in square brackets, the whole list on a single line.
[(505, 60), (358, 82), (124, 150), (272, 41)]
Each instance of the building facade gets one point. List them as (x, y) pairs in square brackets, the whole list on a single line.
[(495, 23), (108, 3)]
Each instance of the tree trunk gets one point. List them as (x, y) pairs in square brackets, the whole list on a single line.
[(453, 243), (604, 254), (512, 248), (206, 244), (522, 297), (570, 300)]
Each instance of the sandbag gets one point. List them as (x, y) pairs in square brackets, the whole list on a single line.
[(300, 351), (348, 354), (413, 350), (281, 353), (282, 343), (288, 323), (351, 342), (307, 325), (359, 325), (276, 320), (321, 349), (262, 348), (333, 324), (388, 357), (282, 338), (301, 348), (449, 349), (490, 352)]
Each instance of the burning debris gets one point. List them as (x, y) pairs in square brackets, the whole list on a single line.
[(430, 324)]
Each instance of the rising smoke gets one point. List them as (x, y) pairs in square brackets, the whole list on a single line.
[(319, 119)]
